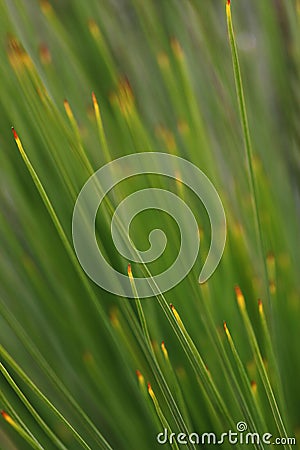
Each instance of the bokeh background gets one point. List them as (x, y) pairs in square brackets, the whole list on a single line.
[(162, 74)]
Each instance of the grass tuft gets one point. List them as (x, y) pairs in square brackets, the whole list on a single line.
[(84, 85)]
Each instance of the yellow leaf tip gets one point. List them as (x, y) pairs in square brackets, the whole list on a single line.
[(93, 28), (228, 7), (140, 377), (239, 297), (4, 414), (226, 329), (150, 390), (176, 47), (94, 98), (69, 111), (254, 386), (7, 418), (16, 137), (164, 350), (129, 271)]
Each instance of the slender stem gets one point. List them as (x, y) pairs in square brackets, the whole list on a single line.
[(247, 138)]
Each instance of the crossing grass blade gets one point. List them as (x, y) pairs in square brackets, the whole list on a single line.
[(84, 84)]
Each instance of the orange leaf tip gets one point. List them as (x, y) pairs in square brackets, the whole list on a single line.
[(68, 110), (46, 7), (94, 98), (177, 316), (176, 47), (125, 97), (7, 418), (163, 60), (239, 297), (94, 29), (129, 271), (96, 108), (254, 386), (45, 55), (17, 56), (272, 287), (114, 318), (228, 8), (164, 350), (226, 329), (150, 390), (182, 126), (140, 377), (16, 137)]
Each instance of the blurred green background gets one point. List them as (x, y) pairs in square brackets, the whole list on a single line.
[(163, 77)]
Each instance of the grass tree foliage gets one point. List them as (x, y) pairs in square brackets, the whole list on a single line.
[(83, 83)]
